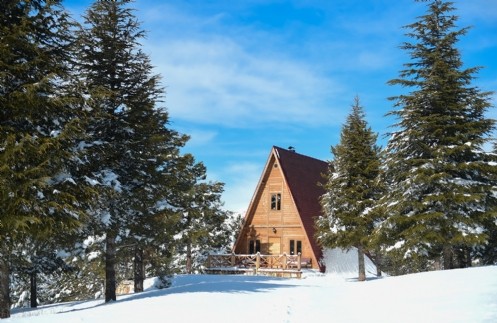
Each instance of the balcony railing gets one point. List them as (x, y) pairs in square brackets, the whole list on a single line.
[(256, 263)]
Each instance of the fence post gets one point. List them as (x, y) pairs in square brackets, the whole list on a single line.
[(285, 260), (209, 261), (232, 259), (257, 261), (299, 263)]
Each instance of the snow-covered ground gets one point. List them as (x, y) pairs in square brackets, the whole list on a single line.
[(462, 295), (344, 263)]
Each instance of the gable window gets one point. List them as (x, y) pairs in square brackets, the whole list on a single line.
[(295, 247), (276, 201), (254, 246)]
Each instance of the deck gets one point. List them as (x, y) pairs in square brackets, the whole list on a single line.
[(257, 264)]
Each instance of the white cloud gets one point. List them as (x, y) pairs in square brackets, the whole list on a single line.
[(243, 179), (198, 137), (217, 81), (477, 11)]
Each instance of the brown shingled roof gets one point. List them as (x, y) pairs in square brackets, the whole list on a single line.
[(302, 174)]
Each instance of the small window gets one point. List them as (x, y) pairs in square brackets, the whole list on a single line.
[(295, 247), (276, 201), (254, 246)]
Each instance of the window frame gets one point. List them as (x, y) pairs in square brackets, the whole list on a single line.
[(254, 246), (275, 201), (295, 246)]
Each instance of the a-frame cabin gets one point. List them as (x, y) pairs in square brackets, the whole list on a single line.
[(280, 217)]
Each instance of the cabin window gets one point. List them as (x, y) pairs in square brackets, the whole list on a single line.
[(295, 247), (254, 246), (276, 201)]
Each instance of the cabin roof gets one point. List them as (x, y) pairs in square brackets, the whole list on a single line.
[(303, 175)]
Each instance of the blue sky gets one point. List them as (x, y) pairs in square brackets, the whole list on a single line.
[(242, 76)]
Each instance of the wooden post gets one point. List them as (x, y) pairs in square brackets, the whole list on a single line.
[(257, 261), (299, 263), (284, 261), (208, 261), (233, 259)]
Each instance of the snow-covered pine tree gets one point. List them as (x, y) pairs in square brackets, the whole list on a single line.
[(35, 262), (85, 279), (351, 188), (38, 125), (440, 180), (131, 152), (486, 254), (202, 227)]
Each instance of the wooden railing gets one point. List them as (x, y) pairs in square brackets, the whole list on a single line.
[(255, 261)]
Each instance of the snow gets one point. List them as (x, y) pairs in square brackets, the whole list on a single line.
[(460, 295), (397, 245), (91, 181), (93, 255), (105, 218), (110, 179), (344, 263)]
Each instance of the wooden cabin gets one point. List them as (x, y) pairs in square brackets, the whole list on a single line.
[(280, 217)]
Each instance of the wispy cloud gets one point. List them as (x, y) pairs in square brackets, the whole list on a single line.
[(481, 11), (245, 177), (199, 137), (217, 81), (239, 81)]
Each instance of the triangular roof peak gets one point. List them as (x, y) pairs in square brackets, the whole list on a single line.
[(302, 175), (291, 153)]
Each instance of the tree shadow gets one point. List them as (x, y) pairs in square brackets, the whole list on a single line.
[(356, 279), (200, 284)]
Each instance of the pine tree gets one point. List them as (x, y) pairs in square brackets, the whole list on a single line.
[(351, 188), (487, 253), (131, 153), (84, 278), (34, 263), (38, 125), (439, 177), (202, 225)]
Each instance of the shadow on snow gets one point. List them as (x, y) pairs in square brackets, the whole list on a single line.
[(195, 284)]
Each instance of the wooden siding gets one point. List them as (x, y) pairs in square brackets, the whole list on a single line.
[(262, 220)]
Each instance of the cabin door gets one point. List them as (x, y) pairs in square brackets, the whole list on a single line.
[(274, 246)]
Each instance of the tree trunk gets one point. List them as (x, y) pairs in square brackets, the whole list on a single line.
[(469, 262), (188, 258), (139, 270), (448, 255), (110, 266), (459, 258), (378, 263), (34, 292), (362, 267), (463, 257), (4, 288)]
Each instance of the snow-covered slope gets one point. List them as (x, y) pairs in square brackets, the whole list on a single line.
[(344, 263), (464, 295)]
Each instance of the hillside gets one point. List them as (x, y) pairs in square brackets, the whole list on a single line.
[(463, 295)]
